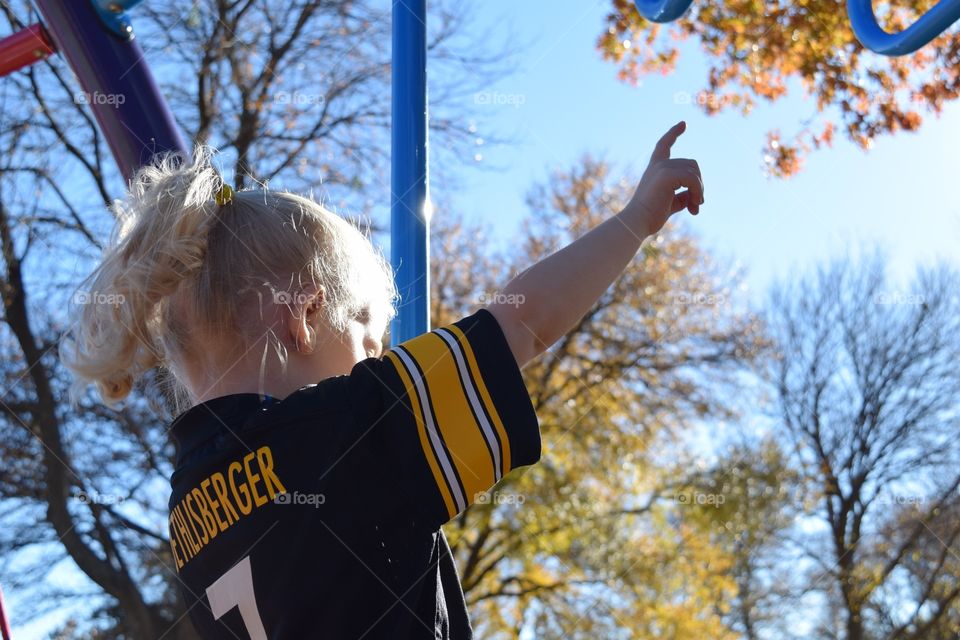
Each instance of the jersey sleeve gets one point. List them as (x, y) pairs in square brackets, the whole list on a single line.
[(446, 415)]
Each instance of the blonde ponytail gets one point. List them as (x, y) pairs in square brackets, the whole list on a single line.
[(159, 239), (179, 266)]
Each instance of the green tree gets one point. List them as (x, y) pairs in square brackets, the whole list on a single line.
[(747, 504), (596, 549), (755, 49)]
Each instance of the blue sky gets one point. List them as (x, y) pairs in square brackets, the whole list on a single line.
[(570, 102)]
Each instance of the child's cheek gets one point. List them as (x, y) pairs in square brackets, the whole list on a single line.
[(362, 344), (371, 346), (373, 339)]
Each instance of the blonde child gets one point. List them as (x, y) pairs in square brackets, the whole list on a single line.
[(313, 472)]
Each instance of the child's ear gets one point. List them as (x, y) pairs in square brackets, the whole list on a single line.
[(312, 299), (305, 315)]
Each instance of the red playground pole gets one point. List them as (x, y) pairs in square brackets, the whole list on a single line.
[(4, 624), (24, 48)]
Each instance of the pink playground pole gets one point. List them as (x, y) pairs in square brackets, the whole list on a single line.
[(4, 624)]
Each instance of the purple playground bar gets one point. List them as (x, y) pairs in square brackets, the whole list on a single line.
[(116, 83)]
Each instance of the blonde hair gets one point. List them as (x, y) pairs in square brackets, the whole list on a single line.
[(180, 267)]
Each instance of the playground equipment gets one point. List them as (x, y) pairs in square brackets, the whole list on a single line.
[(107, 66), (410, 178), (4, 623), (23, 48), (862, 18), (662, 10), (931, 24), (97, 39)]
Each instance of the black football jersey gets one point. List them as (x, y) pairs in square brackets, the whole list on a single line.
[(318, 515)]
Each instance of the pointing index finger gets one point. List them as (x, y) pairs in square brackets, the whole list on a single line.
[(662, 150)]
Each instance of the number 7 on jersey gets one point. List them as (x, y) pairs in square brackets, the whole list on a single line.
[(235, 589)]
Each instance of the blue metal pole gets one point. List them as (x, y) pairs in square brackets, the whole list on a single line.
[(116, 81), (409, 217)]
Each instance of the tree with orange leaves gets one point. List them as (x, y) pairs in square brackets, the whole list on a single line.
[(756, 48)]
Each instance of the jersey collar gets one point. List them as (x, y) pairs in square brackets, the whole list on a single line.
[(227, 415)]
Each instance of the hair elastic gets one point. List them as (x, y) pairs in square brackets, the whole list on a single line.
[(224, 196)]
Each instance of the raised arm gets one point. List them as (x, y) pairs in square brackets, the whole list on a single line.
[(559, 290)]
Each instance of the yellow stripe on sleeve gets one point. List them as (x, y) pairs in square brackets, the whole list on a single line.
[(422, 432), (485, 397), (453, 415)]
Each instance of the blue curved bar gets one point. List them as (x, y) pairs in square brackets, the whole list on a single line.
[(662, 10), (931, 24), (114, 16)]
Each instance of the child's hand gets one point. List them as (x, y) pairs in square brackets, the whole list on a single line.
[(655, 199)]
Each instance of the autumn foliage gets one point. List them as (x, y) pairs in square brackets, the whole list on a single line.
[(759, 51)]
